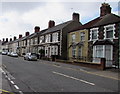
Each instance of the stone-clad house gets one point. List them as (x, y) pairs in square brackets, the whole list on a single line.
[(54, 40), (103, 37)]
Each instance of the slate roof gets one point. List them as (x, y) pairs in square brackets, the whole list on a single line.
[(107, 19), (58, 27), (100, 21), (87, 25), (38, 33)]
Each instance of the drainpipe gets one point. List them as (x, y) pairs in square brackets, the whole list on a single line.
[(119, 46)]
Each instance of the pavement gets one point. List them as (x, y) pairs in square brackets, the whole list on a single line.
[(5, 86), (112, 73)]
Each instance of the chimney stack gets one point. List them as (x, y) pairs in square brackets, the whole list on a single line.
[(105, 9), (14, 38), (20, 36), (6, 39), (75, 17), (10, 39), (27, 34), (3, 39), (51, 24), (37, 29)]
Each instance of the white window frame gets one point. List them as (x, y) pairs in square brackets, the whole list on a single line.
[(82, 34), (73, 40), (91, 34), (32, 41), (55, 37), (52, 50), (47, 38), (56, 50), (105, 32), (36, 40), (41, 39), (28, 41)]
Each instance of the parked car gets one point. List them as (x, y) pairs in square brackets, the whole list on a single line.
[(9, 53), (4, 53), (13, 54), (30, 56)]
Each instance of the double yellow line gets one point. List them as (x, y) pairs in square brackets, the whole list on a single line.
[(5, 92)]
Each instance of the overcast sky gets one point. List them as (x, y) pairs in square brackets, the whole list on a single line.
[(18, 17)]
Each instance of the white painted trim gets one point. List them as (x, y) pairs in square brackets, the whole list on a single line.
[(111, 52), (104, 50), (55, 37), (91, 34), (60, 42), (113, 25)]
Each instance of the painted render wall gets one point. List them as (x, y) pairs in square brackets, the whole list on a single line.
[(64, 48), (77, 40)]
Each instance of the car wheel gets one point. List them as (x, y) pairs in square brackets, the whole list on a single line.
[(28, 59)]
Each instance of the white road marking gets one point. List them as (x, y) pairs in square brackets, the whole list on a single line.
[(20, 92), (4, 73), (10, 76), (73, 78), (16, 86), (56, 66), (1, 70), (9, 79), (12, 82), (6, 76)]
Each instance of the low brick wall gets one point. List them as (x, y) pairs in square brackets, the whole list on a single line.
[(100, 66)]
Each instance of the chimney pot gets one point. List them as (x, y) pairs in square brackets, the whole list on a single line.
[(10, 39), (105, 9), (14, 38), (20, 36), (27, 34), (51, 24), (3, 39), (37, 29), (6, 39), (75, 17)]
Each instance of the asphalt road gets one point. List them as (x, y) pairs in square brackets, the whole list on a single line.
[(46, 76)]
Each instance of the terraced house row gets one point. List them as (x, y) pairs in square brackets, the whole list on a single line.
[(73, 41)]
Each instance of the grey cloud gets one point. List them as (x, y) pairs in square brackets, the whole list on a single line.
[(20, 6)]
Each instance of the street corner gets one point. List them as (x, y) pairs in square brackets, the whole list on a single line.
[(5, 92)]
